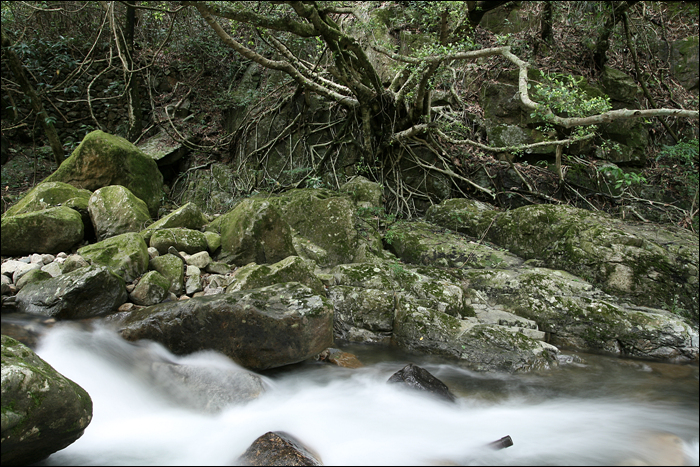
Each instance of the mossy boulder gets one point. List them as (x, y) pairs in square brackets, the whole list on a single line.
[(152, 288), (188, 216), (620, 87), (172, 268), (290, 269), (362, 314), (576, 314), (187, 240), (425, 244), (125, 254), (42, 410), (324, 217), (467, 216), (259, 328), (255, 232), (684, 62), (50, 195), (102, 159), (51, 230), (115, 210), (83, 293), (481, 347), (363, 192)]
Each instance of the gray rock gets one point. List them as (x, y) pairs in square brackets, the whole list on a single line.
[(42, 411), (82, 293), (260, 328), (278, 448), (115, 210), (187, 240), (420, 379), (151, 289), (290, 269), (48, 231), (33, 275), (172, 268), (200, 259)]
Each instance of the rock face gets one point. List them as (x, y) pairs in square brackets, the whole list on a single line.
[(420, 379), (278, 448), (48, 231), (42, 411), (114, 210), (255, 232), (259, 329), (656, 268), (83, 293), (102, 159)]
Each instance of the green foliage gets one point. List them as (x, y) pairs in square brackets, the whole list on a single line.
[(564, 96), (683, 158), (621, 177)]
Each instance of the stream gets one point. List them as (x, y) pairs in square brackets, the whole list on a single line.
[(595, 410)]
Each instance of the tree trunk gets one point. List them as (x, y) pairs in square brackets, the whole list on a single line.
[(18, 70), (134, 102), (603, 43)]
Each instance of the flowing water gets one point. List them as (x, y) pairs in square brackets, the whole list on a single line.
[(600, 411)]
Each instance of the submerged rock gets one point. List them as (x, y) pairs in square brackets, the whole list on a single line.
[(259, 328), (420, 379), (278, 448), (42, 410)]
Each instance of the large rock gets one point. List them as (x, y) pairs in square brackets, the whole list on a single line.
[(255, 232), (42, 410), (278, 448), (651, 266), (114, 210), (290, 269), (422, 243), (49, 231), (188, 216), (172, 268), (50, 195), (125, 254), (83, 293), (102, 159), (576, 314), (152, 288), (187, 240), (480, 347), (362, 315), (259, 328), (325, 218)]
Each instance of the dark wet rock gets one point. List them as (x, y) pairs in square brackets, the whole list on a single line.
[(420, 379), (259, 328), (278, 448), (340, 358), (83, 293), (42, 411)]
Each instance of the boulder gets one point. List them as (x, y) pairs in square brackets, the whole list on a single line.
[(151, 289), (290, 269), (50, 195), (278, 448), (259, 328), (254, 232), (49, 231), (193, 284), (339, 358), (102, 159), (362, 315), (480, 347), (74, 262), (577, 315), (200, 260), (33, 275), (363, 192), (426, 244), (188, 216), (83, 293), (114, 210), (324, 217), (125, 254), (187, 240), (213, 241), (42, 410), (172, 268), (420, 379)]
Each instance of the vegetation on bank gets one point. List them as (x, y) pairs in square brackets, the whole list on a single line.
[(293, 94)]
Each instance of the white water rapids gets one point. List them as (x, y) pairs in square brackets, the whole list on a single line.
[(592, 415)]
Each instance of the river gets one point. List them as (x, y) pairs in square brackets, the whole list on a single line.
[(599, 411)]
